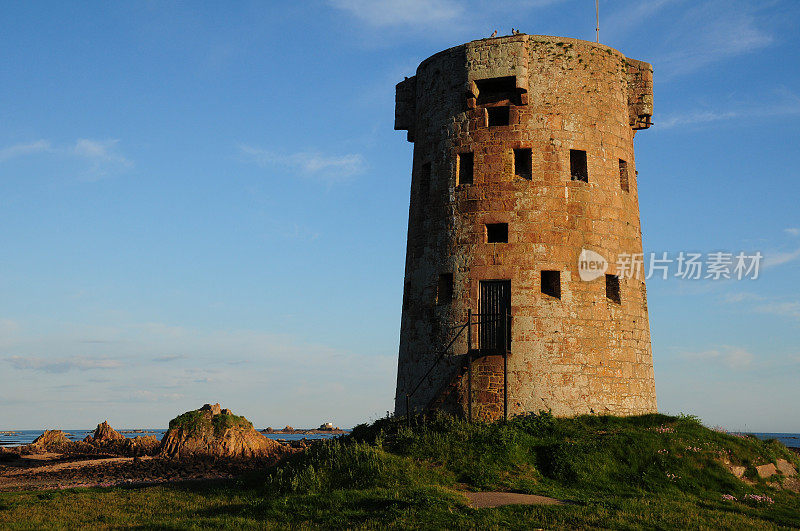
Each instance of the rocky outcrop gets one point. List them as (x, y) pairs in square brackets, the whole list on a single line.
[(105, 433), (106, 439), (211, 431), (50, 441)]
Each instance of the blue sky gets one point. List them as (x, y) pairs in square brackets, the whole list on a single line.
[(207, 202)]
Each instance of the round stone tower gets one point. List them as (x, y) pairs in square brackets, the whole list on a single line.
[(523, 167)]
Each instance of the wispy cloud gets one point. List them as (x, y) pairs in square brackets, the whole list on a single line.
[(446, 21), (792, 231), (61, 365), (734, 298), (730, 356), (783, 309), (776, 259), (709, 32), (103, 156), (329, 168), (384, 13), (783, 103), (629, 16), (168, 358), (21, 150)]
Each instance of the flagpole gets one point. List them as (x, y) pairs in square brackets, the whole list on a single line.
[(597, 15)]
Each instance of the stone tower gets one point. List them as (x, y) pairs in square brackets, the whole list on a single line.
[(523, 158)]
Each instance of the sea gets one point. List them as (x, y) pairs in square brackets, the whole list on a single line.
[(20, 437)]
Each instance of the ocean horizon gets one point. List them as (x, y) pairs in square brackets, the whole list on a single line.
[(9, 438), (20, 437)]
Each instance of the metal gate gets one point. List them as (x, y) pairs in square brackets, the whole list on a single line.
[(494, 332)]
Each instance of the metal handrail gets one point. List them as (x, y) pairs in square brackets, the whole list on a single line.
[(490, 317), (435, 363)]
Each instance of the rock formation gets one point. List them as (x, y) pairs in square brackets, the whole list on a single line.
[(210, 431), (107, 439), (50, 440), (104, 433)]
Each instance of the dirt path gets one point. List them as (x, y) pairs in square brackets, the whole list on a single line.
[(54, 471), (481, 500)]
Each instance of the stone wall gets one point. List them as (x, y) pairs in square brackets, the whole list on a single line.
[(578, 354)]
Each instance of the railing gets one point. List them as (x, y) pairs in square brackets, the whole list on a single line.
[(501, 347)]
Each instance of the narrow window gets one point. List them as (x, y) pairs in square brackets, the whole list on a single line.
[(623, 175), (425, 179), (522, 163), (444, 291), (497, 116), (577, 165), (465, 168), (612, 288), (497, 233), (551, 283)]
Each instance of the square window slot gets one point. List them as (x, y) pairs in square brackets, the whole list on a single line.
[(497, 116), (444, 290), (578, 168), (497, 233), (465, 168), (623, 175), (522, 163), (612, 289), (551, 283)]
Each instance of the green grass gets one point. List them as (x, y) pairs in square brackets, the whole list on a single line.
[(651, 471), (203, 421)]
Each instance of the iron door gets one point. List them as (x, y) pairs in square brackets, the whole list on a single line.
[(494, 334)]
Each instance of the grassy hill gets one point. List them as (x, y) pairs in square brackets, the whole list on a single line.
[(650, 471)]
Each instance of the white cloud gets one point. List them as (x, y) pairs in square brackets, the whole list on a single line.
[(776, 259), (103, 156), (170, 357), (383, 13), (733, 298), (710, 32), (783, 309), (61, 365), (793, 231), (732, 357), (784, 103), (295, 381), (630, 17), (21, 150), (330, 168)]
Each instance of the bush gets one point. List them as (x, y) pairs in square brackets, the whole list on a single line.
[(334, 464)]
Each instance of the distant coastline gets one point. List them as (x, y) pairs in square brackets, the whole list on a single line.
[(11, 438)]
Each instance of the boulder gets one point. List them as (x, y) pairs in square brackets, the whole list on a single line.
[(786, 468), (144, 445), (210, 432), (50, 440), (767, 470)]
